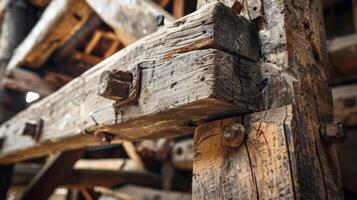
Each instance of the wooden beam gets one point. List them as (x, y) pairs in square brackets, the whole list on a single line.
[(295, 71), (57, 24), (178, 8), (169, 103), (130, 192), (343, 53), (23, 81), (131, 20), (345, 104), (110, 178), (40, 3), (51, 175)]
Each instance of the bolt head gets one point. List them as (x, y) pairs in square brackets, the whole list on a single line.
[(233, 134), (114, 85), (160, 20), (332, 133)]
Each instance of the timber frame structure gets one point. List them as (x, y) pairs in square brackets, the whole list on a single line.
[(247, 78)]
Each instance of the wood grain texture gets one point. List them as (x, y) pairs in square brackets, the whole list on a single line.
[(131, 20), (258, 169), (131, 192), (345, 104), (60, 20), (173, 96), (294, 68)]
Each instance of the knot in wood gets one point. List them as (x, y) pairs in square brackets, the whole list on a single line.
[(332, 133), (233, 134), (115, 84)]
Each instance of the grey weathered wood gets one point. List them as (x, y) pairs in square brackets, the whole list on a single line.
[(21, 80), (131, 20), (294, 67), (179, 87)]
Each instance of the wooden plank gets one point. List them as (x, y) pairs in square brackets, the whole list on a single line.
[(342, 53), (131, 192), (178, 8), (131, 20), (169, 101), (260, 168), (61, 20), (51, 175), (24, 81), (40, 3), (345, 104), (110, 178)]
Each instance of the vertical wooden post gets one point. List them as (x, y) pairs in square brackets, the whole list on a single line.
[(283, 155)]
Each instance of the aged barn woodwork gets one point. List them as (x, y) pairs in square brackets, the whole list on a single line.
[(178, 99), (294, 73), (166, 107)]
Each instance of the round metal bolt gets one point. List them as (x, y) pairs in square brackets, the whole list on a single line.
[(104, 137), (233, 134), (160, 20)]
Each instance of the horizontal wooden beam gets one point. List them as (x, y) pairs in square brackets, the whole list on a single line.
[(131, 20), (180, 87), (343, 55), (60, 20), (110, 178), (345, 104), (129, 192), (21, 80)]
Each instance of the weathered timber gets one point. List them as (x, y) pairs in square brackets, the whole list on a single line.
[(173, 97), (131, 20), (260, 168), (51, 175), (61, 20), (110, 178), (294, 68), (130, 192), (22, 80), (40, 3), (345, 104), (342, 51)]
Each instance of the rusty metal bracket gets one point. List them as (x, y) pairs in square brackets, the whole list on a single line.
[(33, 129)]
